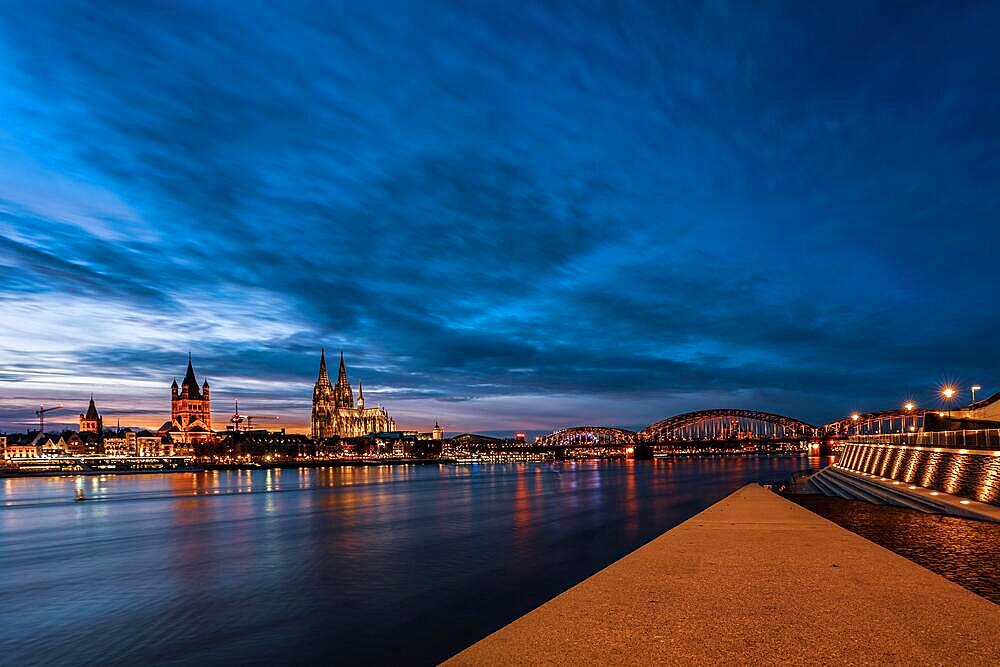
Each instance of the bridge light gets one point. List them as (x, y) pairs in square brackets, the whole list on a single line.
[(855, 417), (909, 406)]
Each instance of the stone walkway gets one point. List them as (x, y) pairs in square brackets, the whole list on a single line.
[(754, 579)]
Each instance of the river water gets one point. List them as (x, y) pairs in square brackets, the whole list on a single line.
[(374, 564)]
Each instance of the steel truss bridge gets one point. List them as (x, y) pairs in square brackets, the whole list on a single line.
[(876, 423), (703, 425), (728, 424), (589, 436)]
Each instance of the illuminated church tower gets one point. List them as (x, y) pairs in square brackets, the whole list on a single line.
[(91, 422), (323, 404), (342, 393), (191, 407)]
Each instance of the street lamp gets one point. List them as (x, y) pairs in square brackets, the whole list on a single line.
[(948, 393), (975, 388), (908, 406)]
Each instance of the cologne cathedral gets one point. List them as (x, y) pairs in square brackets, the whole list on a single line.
[(334, 411)]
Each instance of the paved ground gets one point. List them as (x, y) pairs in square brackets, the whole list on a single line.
[(754, 579), (965, 551)]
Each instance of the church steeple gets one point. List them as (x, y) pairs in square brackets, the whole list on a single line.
[(91, 409), (361, 396), (343, 393), (191, 406), (342, 374), (191, 382), (91, 421), (323, 404), (324, 377)]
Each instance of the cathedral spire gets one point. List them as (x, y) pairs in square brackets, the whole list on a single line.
[(342, 373), (324, 377), (343, 393)]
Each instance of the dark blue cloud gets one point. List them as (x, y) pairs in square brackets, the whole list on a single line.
[(548, 215)]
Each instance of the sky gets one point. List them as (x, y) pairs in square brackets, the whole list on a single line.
[(506, 217)]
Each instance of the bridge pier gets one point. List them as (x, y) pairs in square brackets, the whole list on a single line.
[(643, 451)]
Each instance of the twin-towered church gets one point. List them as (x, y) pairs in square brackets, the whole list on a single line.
[(334, 412)]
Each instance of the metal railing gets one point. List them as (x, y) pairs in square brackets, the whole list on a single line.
[(971, 439)]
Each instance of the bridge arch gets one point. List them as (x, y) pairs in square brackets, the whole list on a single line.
[(726, 423), (583, 436), (898, 420)]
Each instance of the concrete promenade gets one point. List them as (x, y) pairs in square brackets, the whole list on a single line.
[(754, 579)]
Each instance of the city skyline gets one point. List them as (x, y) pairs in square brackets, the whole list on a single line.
[(595, 215), (942, 397)]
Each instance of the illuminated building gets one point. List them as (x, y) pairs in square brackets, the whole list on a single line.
[(334, 412), (91, 422), (190, 410)]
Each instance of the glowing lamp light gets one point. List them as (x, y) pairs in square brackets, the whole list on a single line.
[(948, 392), (964, 502), (855, 417), (909, 406)]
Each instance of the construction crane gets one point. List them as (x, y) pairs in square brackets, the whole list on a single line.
[(40, 412)]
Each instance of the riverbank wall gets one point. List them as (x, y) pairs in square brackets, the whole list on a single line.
[(958, 468)]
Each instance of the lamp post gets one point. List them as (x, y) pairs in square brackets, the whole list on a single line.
[(948, 393), (975, 388), (855, 417), (908, 406)]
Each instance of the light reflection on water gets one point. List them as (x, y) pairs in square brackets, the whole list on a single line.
[(382, 563)]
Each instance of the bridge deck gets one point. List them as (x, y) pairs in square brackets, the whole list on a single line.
[(754, 578)]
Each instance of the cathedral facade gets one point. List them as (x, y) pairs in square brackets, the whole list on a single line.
[(335, 413)]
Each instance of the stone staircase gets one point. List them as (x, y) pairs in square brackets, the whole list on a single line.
[(835, 481)]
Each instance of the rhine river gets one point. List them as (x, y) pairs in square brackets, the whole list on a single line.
[(369, 564)]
